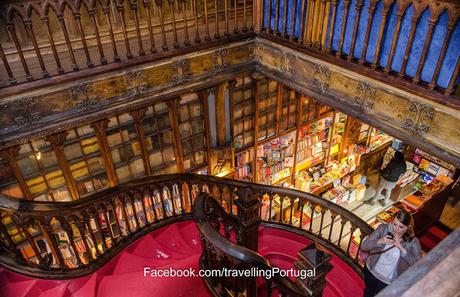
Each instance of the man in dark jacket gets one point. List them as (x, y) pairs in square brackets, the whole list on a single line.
[(389, 177)]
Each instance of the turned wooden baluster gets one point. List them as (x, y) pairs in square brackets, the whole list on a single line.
[(159, 4), (61, 19), (68, 229), (92, 14), (19, 257), (23, 228), (386, 8), (285, 18), (173, 21), (293, 20), (309, 22), (277, 14), (48, 230), (361, 237), (269, 19), (352, 230), (11, 78), (136, 195), (128, 203), (216, 20), (402, 5), (147, 6), (426, 45), (415, 17), (450, 29), (235, 18), (371, 11), (106, 10), (359, 5), (121, 11), (184, 17), (342, 224), (11, 28), (114, 204), (453, 79), (331, 30), (245, 27), (302, 24), (323, 212), (195, 20), (346, 4), (30, 32), (206, 21), (81, 228), (227, 30), (94, 214), (321, 23), (333, 217), (313, 206), (77, 18), (45, 20), (87, 221), (103, 208), (134, 8)]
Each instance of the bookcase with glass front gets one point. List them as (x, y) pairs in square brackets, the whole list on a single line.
[(125, 148), (192, 131), (242, 99), (159, 139)]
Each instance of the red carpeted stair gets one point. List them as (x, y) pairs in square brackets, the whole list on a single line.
[(176, 246), (434, 235)]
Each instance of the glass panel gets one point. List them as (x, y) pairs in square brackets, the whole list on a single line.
[(28, 165), (12, 190), (168, 154), (72, 151), (155, 159)]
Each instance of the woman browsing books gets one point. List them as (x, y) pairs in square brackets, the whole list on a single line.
[(391, 248)]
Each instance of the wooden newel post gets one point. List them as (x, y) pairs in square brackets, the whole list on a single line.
[(248, 214), (313, 259)]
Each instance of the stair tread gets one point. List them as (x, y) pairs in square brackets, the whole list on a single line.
[(88, 289), (58, 291)]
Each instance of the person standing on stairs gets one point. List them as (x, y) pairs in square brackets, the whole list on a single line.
[(392, 249), (388, 178)]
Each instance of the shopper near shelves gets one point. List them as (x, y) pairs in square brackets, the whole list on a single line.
[(392, 249), (388, 178)]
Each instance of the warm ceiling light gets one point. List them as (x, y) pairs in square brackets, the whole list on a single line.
[(39, 155)]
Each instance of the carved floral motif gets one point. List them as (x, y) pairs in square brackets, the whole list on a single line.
[(182, 68), (366, 96), (322, 77), (135, 80), (419, 124), (82, 100), (218, 60)]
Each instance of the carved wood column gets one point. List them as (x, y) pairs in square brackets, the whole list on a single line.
[(257, 77), (174, 121), (231, 91), (100, 127), (221, 123), (138, 116), (207, 127), (279, 106), (297, 130), (57, 142), (10, 155)]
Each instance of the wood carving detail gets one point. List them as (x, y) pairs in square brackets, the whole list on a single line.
[(322, 77), (182, 68), (135, 80), (82, 100), (287, 62), (257, 52), (218, 60), (419, 124), (24, 111), (364, 100)]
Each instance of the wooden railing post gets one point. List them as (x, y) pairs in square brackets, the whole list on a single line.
[(315, 263)]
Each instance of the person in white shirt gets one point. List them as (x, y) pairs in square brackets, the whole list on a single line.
[(392, 249)]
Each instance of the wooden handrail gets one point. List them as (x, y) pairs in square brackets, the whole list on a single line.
[(113, 218), (201, 211)]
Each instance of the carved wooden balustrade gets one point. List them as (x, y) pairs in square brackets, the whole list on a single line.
[(44, 38), (71, 239), (413, 42)]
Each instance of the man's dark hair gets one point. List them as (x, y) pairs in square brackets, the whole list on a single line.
[(399, 156)]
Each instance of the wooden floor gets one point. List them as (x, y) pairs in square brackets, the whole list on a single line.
[(450, 217)]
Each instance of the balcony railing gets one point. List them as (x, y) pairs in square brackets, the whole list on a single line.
[(41, 39), (72, 239), (411, 42), (416, 41)]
